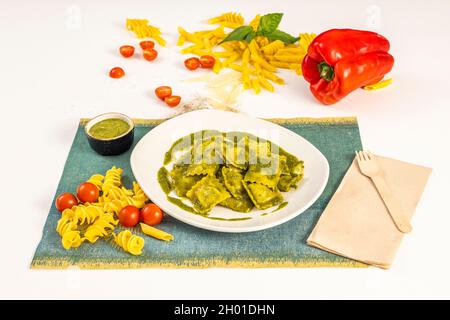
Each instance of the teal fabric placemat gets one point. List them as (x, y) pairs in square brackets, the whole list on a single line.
[(281, 246)]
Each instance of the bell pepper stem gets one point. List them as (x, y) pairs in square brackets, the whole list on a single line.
[(326, 71)]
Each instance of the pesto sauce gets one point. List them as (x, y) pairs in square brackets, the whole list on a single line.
[(231, 219), (109, 128), (164, 181), (281, 206)]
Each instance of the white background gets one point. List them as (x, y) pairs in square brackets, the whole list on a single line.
[(54, 60)]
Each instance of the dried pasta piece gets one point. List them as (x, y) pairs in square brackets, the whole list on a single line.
[(206, 194), (97, 180), (156, 233), (129, 242), (138, 193), (142, 29), (71, 239), (234, 19), (83, 213), (273, 47), (104, 224), (262, 196), (112, 178)]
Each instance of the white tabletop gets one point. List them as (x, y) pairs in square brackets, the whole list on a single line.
[(54, 60)]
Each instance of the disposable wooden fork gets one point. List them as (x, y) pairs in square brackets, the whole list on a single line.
[(370, 168)]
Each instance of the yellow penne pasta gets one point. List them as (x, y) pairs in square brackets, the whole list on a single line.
[(288, 58), (378, 85), (280, 64), (156, 233), (246, 57), (181, 41), (295, 51), (257, 67), (223, 54), (217, 66), (230, 60), (272, 77), (255, 85), (265, 84)]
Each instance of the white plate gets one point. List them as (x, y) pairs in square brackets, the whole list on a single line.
[(147, 158)]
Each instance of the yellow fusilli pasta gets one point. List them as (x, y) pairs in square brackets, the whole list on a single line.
[(129, 242), (83, 213), (104, 224), (112, 179), (97, 180), (70, 236), (229, 20), (143, 30)]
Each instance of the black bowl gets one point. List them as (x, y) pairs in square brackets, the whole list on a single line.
[(113, 146)]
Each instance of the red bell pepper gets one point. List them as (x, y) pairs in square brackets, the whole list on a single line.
[(342, 60)]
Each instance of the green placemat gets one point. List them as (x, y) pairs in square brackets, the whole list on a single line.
[(281, 246)]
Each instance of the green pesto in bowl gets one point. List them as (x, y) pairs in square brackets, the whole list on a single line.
[(109, 128)]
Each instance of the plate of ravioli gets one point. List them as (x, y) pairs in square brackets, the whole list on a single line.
[(228, 172)]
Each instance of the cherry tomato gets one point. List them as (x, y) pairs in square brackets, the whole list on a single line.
[(150, 54), (207, 61), (126, 51), (129, 216), (192, 63), (151, 214), (163, 92), (172, 101), (65, 201), (87, 192), (147, 44), (116, 73)]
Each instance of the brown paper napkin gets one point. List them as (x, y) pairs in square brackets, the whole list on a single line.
[(356, 223)]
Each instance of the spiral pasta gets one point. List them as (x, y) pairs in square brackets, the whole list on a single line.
[(229, 20), (139, 194), (82, 214), (115, 206), (129, 242), (104, 224), (112, 179), (97, 180), (90, 221), (70, 236), (142, 29)]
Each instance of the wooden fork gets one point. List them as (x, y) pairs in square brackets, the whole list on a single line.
[(370, 168)]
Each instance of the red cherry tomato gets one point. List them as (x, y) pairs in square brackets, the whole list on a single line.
[(126, 51), (172, 101), (147, 44), (129, 216), (192, 63), (163, 92), (65, 201), (150, 54), (207, 61), (116, 73), (151, 214), (87, 192)]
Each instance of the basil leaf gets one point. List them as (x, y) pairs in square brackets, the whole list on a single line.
[(282, 36), (269, 23), (250, 36), (238, 34)]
